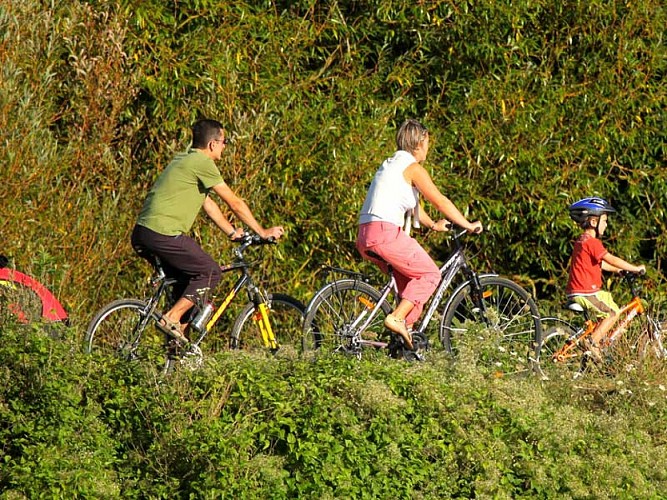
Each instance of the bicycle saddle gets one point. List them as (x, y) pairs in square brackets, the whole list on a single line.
[(573, 306)]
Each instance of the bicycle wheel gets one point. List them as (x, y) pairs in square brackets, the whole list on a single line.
[(19, 303), (649, 343), (555, 333), (121, 329), (503, 333), (286, 317), (337, 310)]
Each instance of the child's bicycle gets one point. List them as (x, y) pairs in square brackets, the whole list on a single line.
[(128, 327), (565, 350), (347, 315), (25, 300)]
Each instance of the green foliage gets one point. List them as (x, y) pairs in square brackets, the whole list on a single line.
[(74, 425), (531, 105)]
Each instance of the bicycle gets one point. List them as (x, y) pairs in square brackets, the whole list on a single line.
[(347, 315), (121, 327), (26, 299), (566, 347)]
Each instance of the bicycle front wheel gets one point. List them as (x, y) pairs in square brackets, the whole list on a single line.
[(501, 324), (286, 319), (338, 311), (122, 330), (649, 343)]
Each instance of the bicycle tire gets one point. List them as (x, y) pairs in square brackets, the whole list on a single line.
[(327, 323), (649, 343), (19, 303), (506, 338), (286, 317), (555, 332), (116, 331)]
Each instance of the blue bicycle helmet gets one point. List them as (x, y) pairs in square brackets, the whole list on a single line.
[(586, 208)]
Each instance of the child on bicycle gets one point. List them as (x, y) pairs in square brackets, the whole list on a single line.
[(589, 259)]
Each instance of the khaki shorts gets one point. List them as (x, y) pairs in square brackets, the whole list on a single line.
[(600, 305)]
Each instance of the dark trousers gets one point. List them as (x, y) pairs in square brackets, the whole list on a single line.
[(181, 257)]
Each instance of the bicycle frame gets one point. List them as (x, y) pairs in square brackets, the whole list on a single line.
[(262, 317), (627, 313)]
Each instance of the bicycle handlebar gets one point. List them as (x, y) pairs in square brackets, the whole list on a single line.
[(248, 239), (630, 278)]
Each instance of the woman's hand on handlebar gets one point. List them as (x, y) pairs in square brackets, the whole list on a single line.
[(475, 227), (441, 225)]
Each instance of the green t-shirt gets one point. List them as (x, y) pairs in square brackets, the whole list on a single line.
[(177, 196)]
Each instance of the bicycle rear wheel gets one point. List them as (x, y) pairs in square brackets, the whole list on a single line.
[(571, 363), (286, 318), (335, 313), (122, 329), (502, 326)]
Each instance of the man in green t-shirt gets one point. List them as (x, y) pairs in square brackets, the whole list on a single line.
[(170, 209)]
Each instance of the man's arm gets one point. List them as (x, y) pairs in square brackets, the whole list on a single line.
[(213, 211), (242, 211)]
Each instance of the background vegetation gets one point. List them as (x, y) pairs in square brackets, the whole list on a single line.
[(531, 104)]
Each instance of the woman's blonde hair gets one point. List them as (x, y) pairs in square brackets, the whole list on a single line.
[(410, 134)]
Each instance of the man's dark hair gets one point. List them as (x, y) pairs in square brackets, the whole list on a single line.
[(205, 131)]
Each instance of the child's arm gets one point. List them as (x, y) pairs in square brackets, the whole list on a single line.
[(615, 264)]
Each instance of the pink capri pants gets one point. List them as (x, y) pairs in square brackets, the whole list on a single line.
[(417, 276)]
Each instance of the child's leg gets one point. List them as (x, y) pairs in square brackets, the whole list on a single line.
[(603, 327), (603, 308)]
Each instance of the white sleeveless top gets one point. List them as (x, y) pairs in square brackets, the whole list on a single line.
[(390, 197)]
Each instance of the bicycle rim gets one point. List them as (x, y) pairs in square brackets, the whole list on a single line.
[(330, 322), (649, 344), (286, 318), (116, 331), (19, 303), (502, 334)]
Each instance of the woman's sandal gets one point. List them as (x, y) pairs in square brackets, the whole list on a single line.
[(397, 326), (172, 329)]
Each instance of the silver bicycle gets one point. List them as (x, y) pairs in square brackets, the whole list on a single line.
[(347, 315)]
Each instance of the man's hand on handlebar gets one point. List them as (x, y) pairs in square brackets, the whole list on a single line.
[(273, 232)]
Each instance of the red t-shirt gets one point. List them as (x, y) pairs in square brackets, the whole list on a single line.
[(586, 266)]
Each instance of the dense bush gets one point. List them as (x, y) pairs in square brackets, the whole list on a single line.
[(73, 425)]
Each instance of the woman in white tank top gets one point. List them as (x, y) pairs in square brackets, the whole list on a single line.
[(392, 197)]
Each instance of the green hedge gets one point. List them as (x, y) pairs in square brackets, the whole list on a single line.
[(75, 426)]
